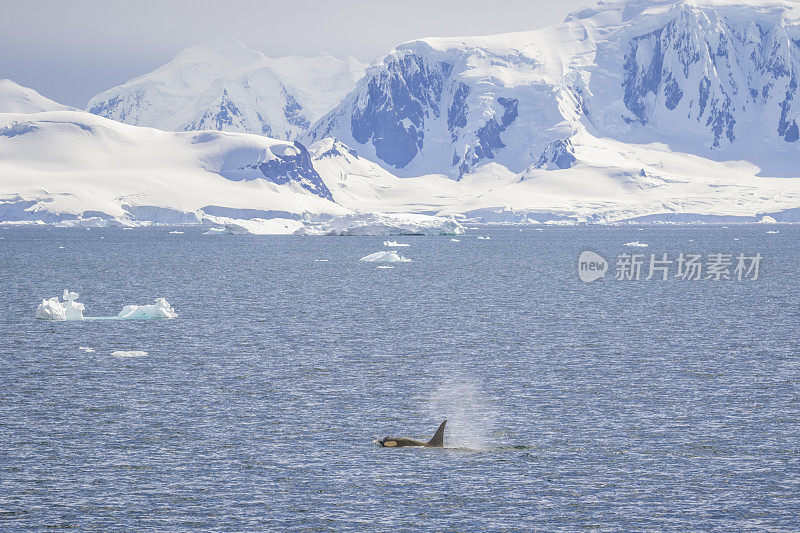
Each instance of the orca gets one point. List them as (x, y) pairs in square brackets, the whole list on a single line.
[(398, 442)]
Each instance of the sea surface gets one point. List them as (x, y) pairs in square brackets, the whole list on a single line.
[(612, 405)]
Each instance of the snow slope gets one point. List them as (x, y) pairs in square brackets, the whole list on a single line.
[(646, 110), (713, 78), (15, 98), (224, 85), (74, 167), (62, 165), (611, 181)]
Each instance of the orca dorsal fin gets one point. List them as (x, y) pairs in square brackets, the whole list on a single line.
[(438, 438)]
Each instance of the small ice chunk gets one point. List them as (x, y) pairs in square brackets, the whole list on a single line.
[(771, 232), (385, 266), (51, 309), (129, 353), (161, 309), (454, 240), (321, 260), (385, 257), (482, 238), (176, 233), (394, 244), (766, 219), (86, 349), (636, 244)]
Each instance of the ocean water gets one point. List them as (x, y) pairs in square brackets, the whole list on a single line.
[(615, 405)]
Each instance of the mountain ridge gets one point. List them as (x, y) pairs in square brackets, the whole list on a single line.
[(226, 86)]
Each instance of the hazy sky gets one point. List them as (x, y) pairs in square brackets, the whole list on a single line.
[(70, 51)]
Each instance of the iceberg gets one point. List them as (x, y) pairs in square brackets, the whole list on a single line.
[(482, 238), (161, 309), (394, 244), (53, 309), (385, 257), (70, 309)]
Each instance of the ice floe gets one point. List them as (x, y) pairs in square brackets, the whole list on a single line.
[(385, 257), (636, 244), (129, 353)]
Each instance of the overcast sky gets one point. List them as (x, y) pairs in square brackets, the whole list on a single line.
[(70, 51)]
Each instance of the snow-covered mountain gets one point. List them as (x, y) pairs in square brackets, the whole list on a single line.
[(15, 98), (64, 165), (637, 110), (715, 78), (72, 167), (223, 85)]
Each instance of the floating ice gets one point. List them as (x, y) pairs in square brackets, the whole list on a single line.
[(129, 353), (455, 240), (394, 244), (385, 257), (51, 309), (385, 266), (771, 232), (176, 233), (161, 309), (86, 349), (255, 226), (482, 238), (386, 224), (636, 244), (766, 219), (70, 309), (321, 260)]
